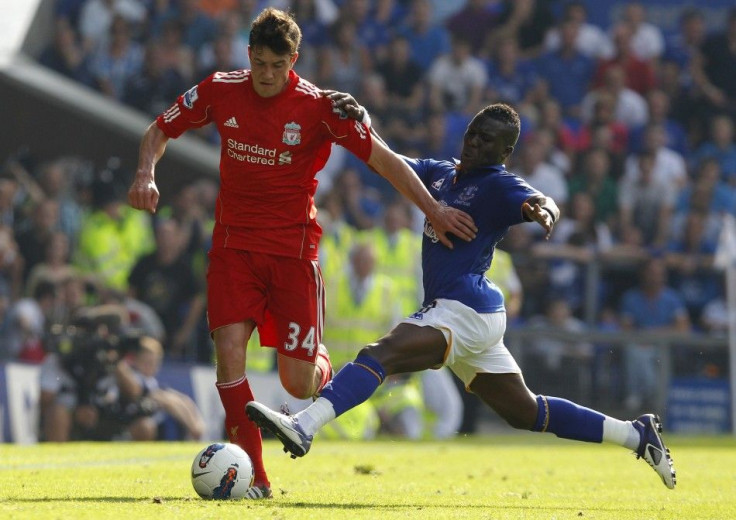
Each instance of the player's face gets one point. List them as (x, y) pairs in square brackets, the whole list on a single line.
[(270, 71), (484, 143)]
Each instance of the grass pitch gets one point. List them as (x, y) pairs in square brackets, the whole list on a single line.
[(526, 476)]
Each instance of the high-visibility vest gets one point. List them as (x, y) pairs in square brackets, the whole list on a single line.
[(400, 260), (502, 268), (350, 325), (334, 248), (108, 248), (359, 423), (258, 358)]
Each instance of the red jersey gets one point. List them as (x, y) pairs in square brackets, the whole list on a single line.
[(271, 150)]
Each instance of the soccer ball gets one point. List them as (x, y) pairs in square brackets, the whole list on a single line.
[(222, 471)]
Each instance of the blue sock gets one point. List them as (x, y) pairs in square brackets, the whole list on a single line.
[(568, 420), (353, 384)]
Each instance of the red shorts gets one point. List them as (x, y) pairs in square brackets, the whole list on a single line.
[(284, 296)]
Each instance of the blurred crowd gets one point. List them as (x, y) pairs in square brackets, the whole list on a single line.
[(629, 127)]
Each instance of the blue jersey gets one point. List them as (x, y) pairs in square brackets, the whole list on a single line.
[(493, 198)]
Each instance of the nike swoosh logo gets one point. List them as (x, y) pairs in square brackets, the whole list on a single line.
[(195, 475)]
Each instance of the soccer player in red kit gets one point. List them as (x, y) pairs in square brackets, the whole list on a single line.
[(276, 132)]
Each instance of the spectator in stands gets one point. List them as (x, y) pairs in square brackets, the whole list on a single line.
[(397, 247), (551, 118), (638, 74), (527, 21), (174, 53), (475, 21), (427, 39), (113, 236), (591, 40), (165, 280), (689, 260), (89, 396), (27, 322), (222, 58), (721, 147), (438, 141), (117, 61), (709, 195), (5, 352), (653, 306), (362, 301), (578, 241), (66, 55), (532, 271), (684, 46), (11, 261), (197, 27), (34, 239), (59, 180), (630, 106), (457, 80), (228, 51), (545, 137), (603, 120), (511, 78), (403, 80), (54, 266), (371, 33), (594, 176), (714, 71), (362, 205), (97, 18), (658, 103), (669, 166), (151, 90), (714, 319), (137, 379), (542, 175), (647, 40), (558, 365), (566, 71), (190, 214), (646, 201), (315, 19), (337, 235), (343, 63)]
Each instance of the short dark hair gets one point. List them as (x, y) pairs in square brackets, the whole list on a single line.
[(276, 30), (505, 114)]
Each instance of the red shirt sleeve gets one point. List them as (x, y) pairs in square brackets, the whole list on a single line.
[(191, 110), (347, 132)]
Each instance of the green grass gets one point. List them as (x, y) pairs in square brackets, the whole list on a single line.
[(521, 477)]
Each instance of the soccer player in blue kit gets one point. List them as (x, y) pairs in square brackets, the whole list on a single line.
[(463, 320)]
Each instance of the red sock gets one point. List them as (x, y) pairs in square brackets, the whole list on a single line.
[(241, 430)]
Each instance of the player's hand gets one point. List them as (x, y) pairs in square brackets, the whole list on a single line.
[(143, 193), (540, 216), (451, 220), (346, 102)]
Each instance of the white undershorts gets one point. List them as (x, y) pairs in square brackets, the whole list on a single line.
[(474, 341)]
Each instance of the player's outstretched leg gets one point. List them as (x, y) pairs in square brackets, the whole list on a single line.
[(285, 427), (652, 449)]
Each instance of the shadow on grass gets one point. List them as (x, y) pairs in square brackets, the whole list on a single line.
[(320, 505)]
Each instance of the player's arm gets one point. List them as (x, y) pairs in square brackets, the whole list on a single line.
[(444, 219), (390, 166), (542, 210), (143, 193)]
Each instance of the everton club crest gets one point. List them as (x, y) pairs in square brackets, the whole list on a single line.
[(292, 134)]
